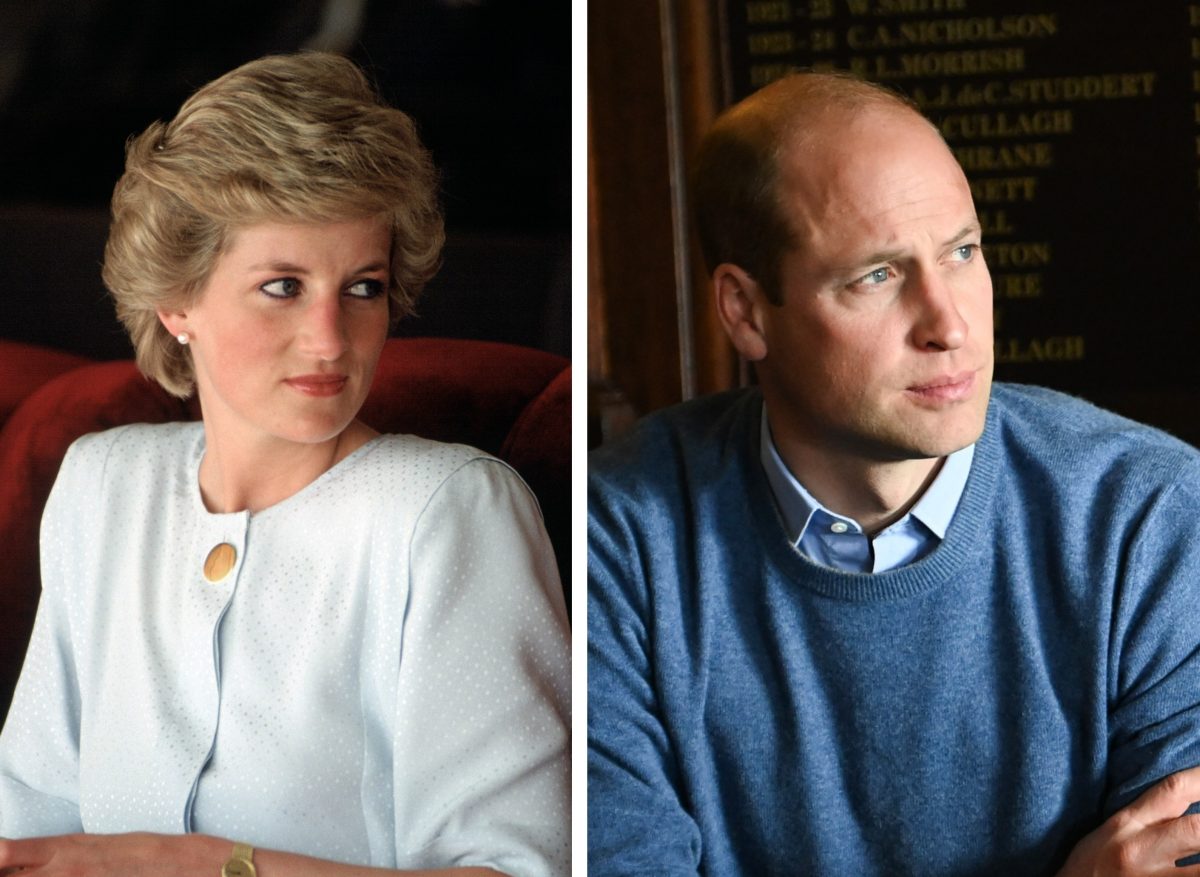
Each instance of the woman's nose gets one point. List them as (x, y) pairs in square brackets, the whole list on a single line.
[(323, 332)]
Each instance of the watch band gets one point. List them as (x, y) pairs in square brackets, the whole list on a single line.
[(241, 863)]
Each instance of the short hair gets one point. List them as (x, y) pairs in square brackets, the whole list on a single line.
[(299, 138), (740, 218)]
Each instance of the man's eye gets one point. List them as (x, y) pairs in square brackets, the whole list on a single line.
[(284, 287), (874, 278), (966, 252), (366, 289)]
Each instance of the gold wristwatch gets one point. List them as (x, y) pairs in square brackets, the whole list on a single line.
[(241, 863)]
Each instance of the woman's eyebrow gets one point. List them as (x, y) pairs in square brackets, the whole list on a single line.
[(292, 268), (289, 267), (372, 268)]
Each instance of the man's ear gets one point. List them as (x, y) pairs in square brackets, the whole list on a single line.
[(740, 303)]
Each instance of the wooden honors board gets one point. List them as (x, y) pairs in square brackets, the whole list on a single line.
[(1078, 125)]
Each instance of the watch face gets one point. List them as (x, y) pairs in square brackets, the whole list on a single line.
[(238, 868)]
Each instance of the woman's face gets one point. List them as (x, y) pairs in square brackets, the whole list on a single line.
[(286, 333)]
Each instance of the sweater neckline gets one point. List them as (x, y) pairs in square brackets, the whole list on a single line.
[(962, 542)]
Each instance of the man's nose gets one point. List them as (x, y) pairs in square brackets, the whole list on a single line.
[(939, 323)]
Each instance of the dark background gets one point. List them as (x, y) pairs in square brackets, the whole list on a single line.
[(488, 82)]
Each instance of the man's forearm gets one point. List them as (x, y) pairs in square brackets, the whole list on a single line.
[(1145, 838)]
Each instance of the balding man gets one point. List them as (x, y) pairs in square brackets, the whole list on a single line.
[(878, 616)]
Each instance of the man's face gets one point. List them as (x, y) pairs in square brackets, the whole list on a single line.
[(882, 347)]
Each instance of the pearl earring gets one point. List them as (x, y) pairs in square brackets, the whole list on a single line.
[(182, 338)]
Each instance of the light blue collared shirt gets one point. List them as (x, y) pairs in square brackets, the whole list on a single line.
[(837, 541)]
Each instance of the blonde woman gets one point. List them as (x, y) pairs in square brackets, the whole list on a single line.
[(276, 640)]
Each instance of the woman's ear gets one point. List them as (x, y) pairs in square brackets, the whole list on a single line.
[(175, 321), (740, 304)]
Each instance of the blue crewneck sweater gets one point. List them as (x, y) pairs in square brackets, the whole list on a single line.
[(976, 712)]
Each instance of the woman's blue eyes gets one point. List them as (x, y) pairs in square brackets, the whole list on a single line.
[(285, 287), (366, 289), (289, 287)]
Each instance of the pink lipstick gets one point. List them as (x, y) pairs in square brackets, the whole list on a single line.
[(318, 385)]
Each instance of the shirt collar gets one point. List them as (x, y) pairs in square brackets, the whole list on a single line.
[(934, 509)]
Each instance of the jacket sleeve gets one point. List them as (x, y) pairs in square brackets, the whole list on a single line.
[(637, 819), (39, 747), (481, 742)]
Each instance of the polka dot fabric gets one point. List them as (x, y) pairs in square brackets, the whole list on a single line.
[(382, 678)]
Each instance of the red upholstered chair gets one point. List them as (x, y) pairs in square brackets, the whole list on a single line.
[(25, 367), (510, 401)]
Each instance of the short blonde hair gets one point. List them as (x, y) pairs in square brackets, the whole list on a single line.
[(291, 138)]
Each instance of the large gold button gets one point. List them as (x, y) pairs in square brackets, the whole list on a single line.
[(219, 562)]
